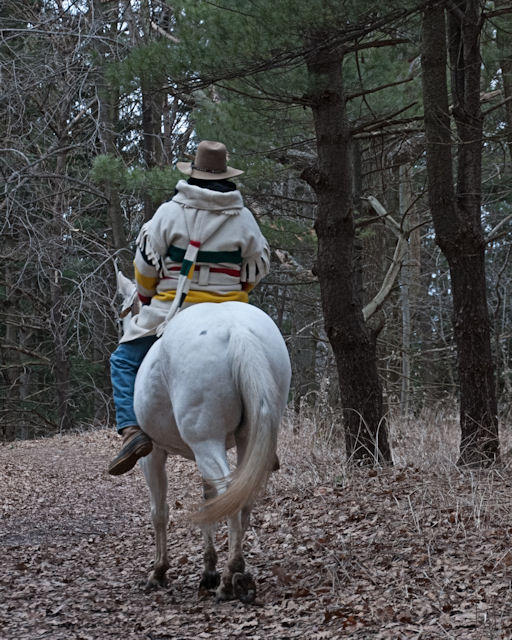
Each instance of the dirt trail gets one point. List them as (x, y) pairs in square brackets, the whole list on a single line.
[(398, 553)]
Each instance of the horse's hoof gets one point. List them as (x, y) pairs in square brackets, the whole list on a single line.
[(224, 593), (155, 583), (209, 581), (244, 587)]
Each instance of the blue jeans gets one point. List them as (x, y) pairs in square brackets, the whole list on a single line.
[(124, 364)]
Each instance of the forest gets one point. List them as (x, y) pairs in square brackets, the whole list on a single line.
[(376, 142)]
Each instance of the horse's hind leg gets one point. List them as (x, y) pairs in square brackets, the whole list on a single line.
[(210, 578), (235, 583), (153, 466)]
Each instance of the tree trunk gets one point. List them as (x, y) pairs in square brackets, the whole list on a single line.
[(108, 115), (456, 215), (61, 363), (352, 343), (10, 363), (58, 318), (150, 129), (406, 277), (503, 29)]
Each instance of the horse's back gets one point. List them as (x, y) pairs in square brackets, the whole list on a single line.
[(203, 331)]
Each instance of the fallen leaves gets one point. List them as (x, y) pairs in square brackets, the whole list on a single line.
[(387, 554)]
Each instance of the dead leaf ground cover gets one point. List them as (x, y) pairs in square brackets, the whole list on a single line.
[(421, 550)]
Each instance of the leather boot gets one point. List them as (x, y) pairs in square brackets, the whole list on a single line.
[(136, 444)]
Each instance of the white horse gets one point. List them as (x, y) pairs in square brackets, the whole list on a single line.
[(218, 377)]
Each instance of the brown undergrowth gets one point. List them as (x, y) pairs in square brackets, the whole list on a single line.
[(422, 550)]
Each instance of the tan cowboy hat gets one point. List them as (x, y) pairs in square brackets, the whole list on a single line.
[(210, 163)]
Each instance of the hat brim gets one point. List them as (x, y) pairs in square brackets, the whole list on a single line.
[(186, 168)]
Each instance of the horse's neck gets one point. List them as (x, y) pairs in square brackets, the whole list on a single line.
[(126, 322), (134, 311)]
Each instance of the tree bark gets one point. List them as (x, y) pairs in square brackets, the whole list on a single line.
[(151, 116), (407, 271), (58, 320), (108, 114), (353, 344), (504, 27), (456, 214)]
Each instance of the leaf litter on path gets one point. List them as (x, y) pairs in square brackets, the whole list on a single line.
[(337, 552)]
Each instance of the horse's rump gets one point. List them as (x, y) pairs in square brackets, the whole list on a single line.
[(218, 367)]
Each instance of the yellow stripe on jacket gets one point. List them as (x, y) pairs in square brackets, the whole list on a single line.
[(194, 296), (146, 282)]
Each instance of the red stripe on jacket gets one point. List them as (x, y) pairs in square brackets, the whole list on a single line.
[(230, 272), (144, 299)]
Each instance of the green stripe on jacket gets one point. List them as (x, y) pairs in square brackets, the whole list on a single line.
[(215, 257)]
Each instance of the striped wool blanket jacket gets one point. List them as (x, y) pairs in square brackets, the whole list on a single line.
[(231, 254)]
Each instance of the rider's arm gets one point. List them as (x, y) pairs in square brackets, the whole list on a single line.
[(255, 252), (154, 238), (146, 266)]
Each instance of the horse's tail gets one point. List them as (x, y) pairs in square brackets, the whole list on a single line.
[(259, 391)]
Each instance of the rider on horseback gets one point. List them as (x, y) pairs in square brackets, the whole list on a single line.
[(201, 246)]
